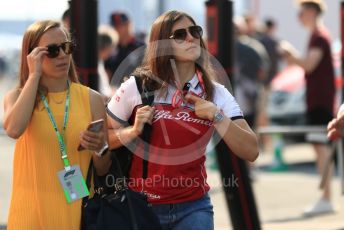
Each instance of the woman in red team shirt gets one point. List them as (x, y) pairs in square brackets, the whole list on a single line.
[(183, 120)]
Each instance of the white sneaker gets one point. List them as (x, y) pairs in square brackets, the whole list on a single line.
[(323, 206)]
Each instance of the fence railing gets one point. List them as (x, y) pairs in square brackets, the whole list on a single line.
[(279, 131)]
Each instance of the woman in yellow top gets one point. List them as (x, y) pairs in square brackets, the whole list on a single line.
[(48, 115)]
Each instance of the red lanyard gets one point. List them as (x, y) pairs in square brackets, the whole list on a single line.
[(178, 99)]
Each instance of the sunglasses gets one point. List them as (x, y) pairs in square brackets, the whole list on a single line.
[(180, 35), (54, 49)]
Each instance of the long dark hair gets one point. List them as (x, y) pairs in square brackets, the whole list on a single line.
[(156, 62)]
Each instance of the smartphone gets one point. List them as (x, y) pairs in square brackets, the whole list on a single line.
[(94, 126)]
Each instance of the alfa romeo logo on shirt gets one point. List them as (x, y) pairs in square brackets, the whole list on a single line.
[(178, 135)]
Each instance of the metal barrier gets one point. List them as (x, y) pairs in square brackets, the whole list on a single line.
[(290, 130), (279, 131), (2, 131)]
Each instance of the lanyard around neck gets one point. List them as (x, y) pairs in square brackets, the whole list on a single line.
[(60, 137), (178, 99)]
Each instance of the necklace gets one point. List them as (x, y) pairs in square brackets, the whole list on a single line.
[(59, 97)]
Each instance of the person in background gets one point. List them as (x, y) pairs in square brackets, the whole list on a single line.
[(66, 19), (270, 42), (252, 25), (320, 88), (188, 107), (127, 43), (3, 66), (141, 36), (249, 35), (105, 46), (248, 73), (48, 114)]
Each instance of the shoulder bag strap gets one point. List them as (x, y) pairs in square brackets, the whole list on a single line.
[(147, 99)]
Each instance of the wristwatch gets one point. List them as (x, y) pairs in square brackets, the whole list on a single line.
[(103, 150), (218, 116)]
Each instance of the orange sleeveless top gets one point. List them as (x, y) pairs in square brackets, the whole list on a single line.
[(38, 201)]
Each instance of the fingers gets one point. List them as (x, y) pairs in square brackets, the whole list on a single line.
[(34, 60), (91, 140), (145, 108), (332, 135), (331, 124), (336, 124), (340, 114), (207, 105), (335, 128), (150, 118), (144, 115), (88, 145), (192, 99), (340, 120), (38, 52), (201, 103), (38, 49)]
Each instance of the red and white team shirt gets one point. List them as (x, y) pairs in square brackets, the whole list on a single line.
[(176, 169)]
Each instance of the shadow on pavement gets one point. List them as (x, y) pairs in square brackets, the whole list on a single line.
[(300, 167), (297, 218)]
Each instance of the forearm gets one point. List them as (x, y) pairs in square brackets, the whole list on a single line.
[(298, 61), (310, 62), (121, 136), (102, 164), (19, 115), (243, 143)]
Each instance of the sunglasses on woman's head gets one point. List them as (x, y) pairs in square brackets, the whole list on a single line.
[(54, 49), (180, 35)]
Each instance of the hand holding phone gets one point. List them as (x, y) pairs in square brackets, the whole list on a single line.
[(94, 126)]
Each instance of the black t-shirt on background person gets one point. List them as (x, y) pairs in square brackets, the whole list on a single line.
[(115, 60)]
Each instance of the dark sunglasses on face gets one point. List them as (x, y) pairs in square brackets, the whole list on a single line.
[(54, 49), (180, 35)]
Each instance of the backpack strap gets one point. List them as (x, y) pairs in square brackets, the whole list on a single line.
[(146, 96), (147, 99)]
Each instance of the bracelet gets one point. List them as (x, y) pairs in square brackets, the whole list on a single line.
[(103, 150)]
